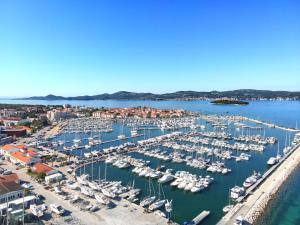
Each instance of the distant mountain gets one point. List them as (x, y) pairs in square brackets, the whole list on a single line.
[(184, 95), (48, 97)]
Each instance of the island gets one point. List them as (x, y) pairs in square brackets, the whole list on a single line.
[(229, 102)]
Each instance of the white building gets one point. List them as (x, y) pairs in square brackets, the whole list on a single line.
[(56, 115), (53, 178)]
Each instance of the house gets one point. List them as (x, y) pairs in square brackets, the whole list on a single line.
[(12, 194), (14, 131), (53, 178), (20, 154), (11, 121), (7, 149), (56, 114), (43, 168), (23, 158), (10, 190), (4, 139), (13, 177)]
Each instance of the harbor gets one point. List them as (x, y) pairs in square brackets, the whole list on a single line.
[(186, 158)]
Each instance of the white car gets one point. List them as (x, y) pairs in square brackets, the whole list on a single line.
[(57, 209), (27, 186)]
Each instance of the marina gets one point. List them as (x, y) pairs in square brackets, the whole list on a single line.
[(150, 113), (186, 158)]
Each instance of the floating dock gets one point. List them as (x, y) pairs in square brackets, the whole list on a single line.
[(198, 219)]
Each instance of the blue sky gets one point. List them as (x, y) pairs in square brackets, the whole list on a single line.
[(90, 47)]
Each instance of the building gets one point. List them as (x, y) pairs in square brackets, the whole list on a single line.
[(43, 168), (13, 177), (138, 112), (14, 131), (4, 139), (57, 114), (11, 113), (9, 191), (20, 154), (7, 113), (24, 158), (53, 178), (7, 149), (10, 121)]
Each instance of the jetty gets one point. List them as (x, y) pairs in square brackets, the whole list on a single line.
[(253, 204), (272, 125), (199, 218)]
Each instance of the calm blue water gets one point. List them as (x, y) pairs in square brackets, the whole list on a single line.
[(284, 210), (281, 112)]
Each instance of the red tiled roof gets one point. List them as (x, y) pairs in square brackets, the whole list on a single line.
[(21, 156), (21, 146), (9, 178), (31, 152), (11, 119), (41, 168), (7, 147)]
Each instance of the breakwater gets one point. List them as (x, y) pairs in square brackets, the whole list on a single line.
[(255, 204)]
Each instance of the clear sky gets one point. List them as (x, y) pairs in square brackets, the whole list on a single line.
[(72, 47)]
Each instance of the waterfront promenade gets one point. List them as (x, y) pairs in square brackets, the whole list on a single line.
[(254, 204)]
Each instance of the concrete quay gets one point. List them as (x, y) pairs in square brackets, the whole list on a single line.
[(253, 205)]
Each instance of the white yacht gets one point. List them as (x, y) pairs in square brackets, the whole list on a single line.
[(167, 177), (156, 205), (87, 191), (83, 179), (102, 199), (227, 208), (272, 161), (134, 133), (108, 193), (251, 180), (198, 187), (147, 201), (121, 136), (87, 155), (236, 192)]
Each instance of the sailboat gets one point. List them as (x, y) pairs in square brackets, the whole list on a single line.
[(148, 200), (159, 203), (134, 132), (273, 160), (122, 136), (287, 148)]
